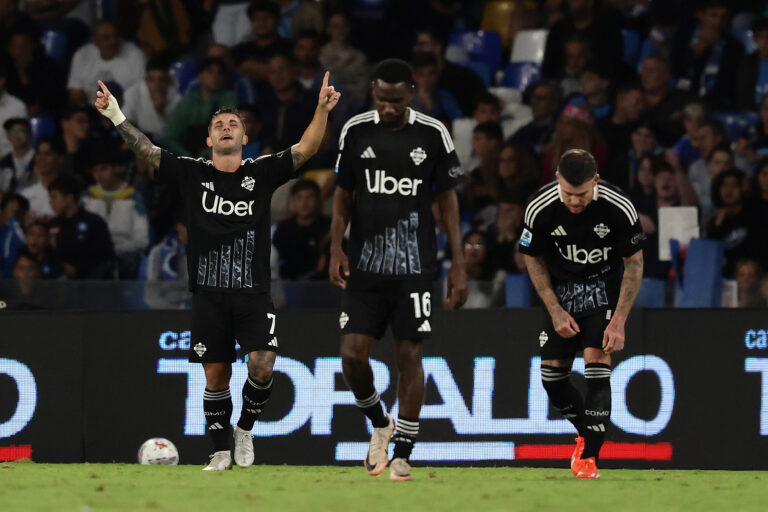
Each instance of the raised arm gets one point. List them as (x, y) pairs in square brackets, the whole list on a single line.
[(313, 135), (107, 105), (563, 323)]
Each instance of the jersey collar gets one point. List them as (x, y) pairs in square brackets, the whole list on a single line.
[(594, 193), (411, 116)]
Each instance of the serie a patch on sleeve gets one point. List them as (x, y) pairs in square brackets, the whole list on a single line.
[(526, 237)]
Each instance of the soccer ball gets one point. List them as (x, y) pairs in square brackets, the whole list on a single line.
[(158, 451)]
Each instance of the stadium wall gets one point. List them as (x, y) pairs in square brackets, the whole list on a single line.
[(690, 391)]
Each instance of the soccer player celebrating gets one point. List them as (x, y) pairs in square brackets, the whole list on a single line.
[(227, 206), (393, 161), (582, 244)]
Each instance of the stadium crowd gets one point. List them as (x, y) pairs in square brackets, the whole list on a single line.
[(671, 97)]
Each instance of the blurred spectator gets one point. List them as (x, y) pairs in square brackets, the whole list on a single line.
[(617, 129), (429, 98), (574, 129), (16, 166), (164, 27), (243, 87), (757, 204), (10, 107), (187, 127), (518, 171), (46, 167), (754, 143), (642, 141), (12, 20), (705, 57), (753, 73), (231, 23), (252, 122), (286, 108), (26, 272), (122, 208), (485, 285), (585, 21), (642, 188), (664, 103), (732, 224), (76, 134), (13, 208), (264, 16), (596, 91), (302, 240), (487, 110), (33, 77), (167, 271), (578, 53), (460, 81), (749, 276), (694, 115), (306, 55), (39, 247), (347, 64), (148, 104), (107, 58), (545, 102), (503, 234), (80, 239), (481, 188)]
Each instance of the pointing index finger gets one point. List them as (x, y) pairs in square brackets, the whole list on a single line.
[(104, 88), (325, 79)]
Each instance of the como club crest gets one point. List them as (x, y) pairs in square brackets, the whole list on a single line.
[(418, 155), (248, 183), (601, 230)]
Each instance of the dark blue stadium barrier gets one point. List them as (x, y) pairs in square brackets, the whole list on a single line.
[(520, 75), (92, 387)]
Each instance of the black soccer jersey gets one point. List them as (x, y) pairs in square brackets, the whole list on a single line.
[(583, 251), (228, 219), (394, 175)]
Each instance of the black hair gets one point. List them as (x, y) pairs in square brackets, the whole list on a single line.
[(23, 252), (423, 60), (718, 128), (759, 25), (723, 147), (105, 154), (554, 87), (56, 145), (658, 57), (435, 34), (13, 121), (718, 181), (65, 184), (487, 98), (305, 185), (712, 4), (263, 6), (515, 196), (37, 224), (630, 86), (158, 63), (577, 166), (226, 110), (307, 33), (491, 130), (393, 71), (474, 231), (211, 61), (599, 69), (252, 109), (13, 196)]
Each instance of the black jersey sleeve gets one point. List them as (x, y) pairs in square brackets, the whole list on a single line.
[(632, 238), (534, 237), (171, 168), (278, 167), (448, 171), (345, 175)]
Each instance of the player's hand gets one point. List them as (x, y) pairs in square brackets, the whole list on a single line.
[(107, 105), (456, 282), (328, 95), (564, 324), (613, 337), (339, 261)]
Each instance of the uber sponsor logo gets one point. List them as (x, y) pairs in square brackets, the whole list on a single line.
[(418, 155), (525, 238), (225, 207), (576, 255), (383, 184)]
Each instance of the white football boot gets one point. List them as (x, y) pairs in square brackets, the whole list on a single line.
[(399, 469), (377, 457), (220, 461), (243, 451)]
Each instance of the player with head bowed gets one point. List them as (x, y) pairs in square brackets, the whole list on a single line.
[(582, 243), (393, 161), (227, 201)]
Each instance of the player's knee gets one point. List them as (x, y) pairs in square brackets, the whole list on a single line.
[(260, 366), (217, 376), (408, 355), (353, 352)]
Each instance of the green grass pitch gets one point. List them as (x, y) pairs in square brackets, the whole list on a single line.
[(126, 487)]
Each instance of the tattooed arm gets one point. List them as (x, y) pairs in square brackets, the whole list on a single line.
[(313, 135), (107, 105), (563, 323), (139, 143), (613, 338)]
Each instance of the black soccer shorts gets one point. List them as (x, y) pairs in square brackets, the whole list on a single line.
[(220, 319), (405, 305), (592, 327)]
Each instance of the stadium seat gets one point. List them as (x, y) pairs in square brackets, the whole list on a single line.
[(497, 16), (480, 45), (736, 123), (55, 43), (529, 46), (42, 126), (482, 70), (519, 75), (141, 275), (651, 293), (631, 46), (319, 176), (702, 273), (183, 72), (517, 291)]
